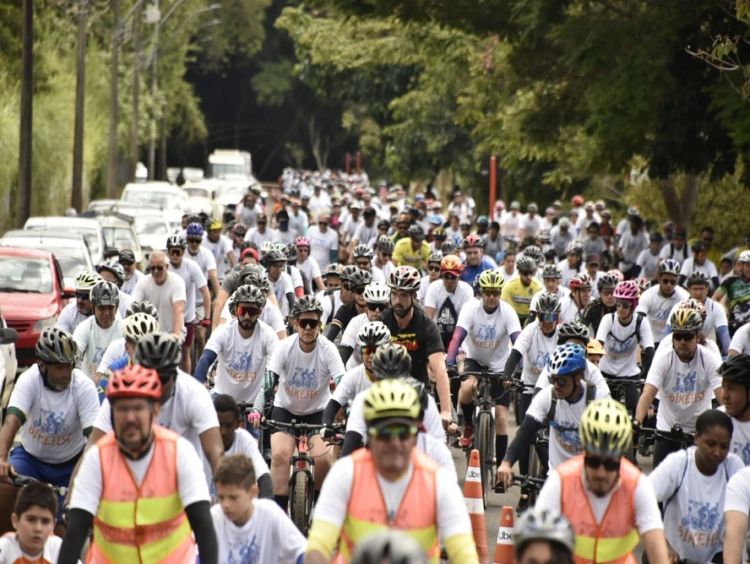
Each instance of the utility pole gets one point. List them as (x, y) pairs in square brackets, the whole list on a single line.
[(77, 192), (114, 100), (154, 93), (23, 196), (134, 143)]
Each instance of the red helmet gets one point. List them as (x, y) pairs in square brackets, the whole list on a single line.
[(134, 381), (451, 263), (473, 240), (577, 200), (580, 281)]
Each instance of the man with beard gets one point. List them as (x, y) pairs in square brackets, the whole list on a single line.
[(410, 327), (242, 346)]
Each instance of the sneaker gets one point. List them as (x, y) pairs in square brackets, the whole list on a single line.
[(467, 438)]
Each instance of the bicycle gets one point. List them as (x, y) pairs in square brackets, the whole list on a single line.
[(530, 487), (301, 480), (674, 435), (9, 492)]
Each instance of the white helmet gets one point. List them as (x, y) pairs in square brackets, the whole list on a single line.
[(376, 293), (139, 325)]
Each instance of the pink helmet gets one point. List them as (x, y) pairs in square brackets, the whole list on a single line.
[(627, 290), (301, 242)]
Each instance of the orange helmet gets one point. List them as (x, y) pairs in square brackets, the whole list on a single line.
[(135, 381), (451, 263)]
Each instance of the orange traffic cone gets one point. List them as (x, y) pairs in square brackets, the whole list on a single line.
[(504, 546), (475, 505)]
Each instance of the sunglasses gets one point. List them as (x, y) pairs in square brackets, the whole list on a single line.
[(198, 241), (595, 462), (308, 323), (83, 295), (127, 263), (175, 252), (158, 268), (434, 269), (359, 290), (548, 317), (491, 293), (559, 381), (400, 432), (669, 281), (449, 277), (606, 292), (624, 304), (377, 307), (683, 336), (243, 310)]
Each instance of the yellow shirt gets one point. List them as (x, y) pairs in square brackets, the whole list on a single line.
[(404, 255), (519, 296)]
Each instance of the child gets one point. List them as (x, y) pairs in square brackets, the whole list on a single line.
[(250, 529), (33, 519)]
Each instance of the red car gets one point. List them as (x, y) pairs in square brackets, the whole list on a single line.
[(31, 296)]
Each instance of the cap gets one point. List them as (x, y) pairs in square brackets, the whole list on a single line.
[(698, 247), (514, 205), (656, 237), (593, 259)]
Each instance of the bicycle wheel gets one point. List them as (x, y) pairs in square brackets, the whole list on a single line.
[(301, 500), (484, 441), (517, 406)]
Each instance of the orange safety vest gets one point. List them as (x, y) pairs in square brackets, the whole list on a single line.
[(141, 524), (615, 538), (367, 514)]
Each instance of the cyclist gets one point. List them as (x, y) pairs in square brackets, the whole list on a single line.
[(433, 274), (74, 313), (166, 291), (112, 271), (602, 305), (242, 347), (736, 510), (355, 281), (621, 333), (519, 291), (735, 397), (734, 293), (476, 262), (308, 265), (33, 519), (94, 335), (139, 465), (685, 378), (302, 366), (367, 230), (446, 297), (573, 306), (259, 234), (715, 326), (699, 262), (656, 302), (121, 352), (551, 276), (207, 263), (324, 242), (691, 485), (362, 257), (132, 274), (221, 248), (384, 251), (740, 343), (377, 297), (54, 405), (543, 536), (412, 250), (492, 327), (410, 326), (390, 483), (573, 263), (559, 407), (677, 248), (270, 314), (607, 500), (648, 259)]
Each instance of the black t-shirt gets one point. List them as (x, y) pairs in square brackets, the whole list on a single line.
[(421, 338), (594, 313)]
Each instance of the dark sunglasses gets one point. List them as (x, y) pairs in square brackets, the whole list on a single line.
[(400, 432), (434, 269), (198, 241), (491, 293), (127, 263), (252, 311), (559, 381), (83, 295), (175, 252), (308, 323), (595, 462), (322, 223), (669, 281), (449, 276), (158, 268), (359, 290), (377, 307), (549, 317), (624, 304), (683, 336)]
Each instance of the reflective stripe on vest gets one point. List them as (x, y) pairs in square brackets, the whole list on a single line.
[(368, 515), (612, 540), (146, 523)]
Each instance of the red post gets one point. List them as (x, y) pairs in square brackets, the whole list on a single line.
[(358, 158), (493, 185), (347, 163)]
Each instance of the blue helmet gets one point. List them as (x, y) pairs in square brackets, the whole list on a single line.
[(194, 230), (567, 360)]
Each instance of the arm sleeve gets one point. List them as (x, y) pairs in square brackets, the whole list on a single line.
[(722, 334), (269, 382), (459, 334), (265, 487), (524, 436), (510, 365), (646, 357), (199, 515), (76, 533), (330, 411), (205, 362), (352, 442)]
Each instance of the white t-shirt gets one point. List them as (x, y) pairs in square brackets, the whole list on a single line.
[(740, 439), (204, 259), (452, 517), (54, 421), (741, 340), (241, 362), (431, 422), (656, 307), (648, 263), (354, 381), (569, 311), (70, 318), (244, 443), (647, 515), (311, 269), (257, 238), (488, 334), (321, 244), (561, 292), (693, 518), (568, 272), (219, 250), (11, 553), (281, 288), (92, 340), (738, 492), (130, 283), (190, 480), (437, 297), (115, 351), (685, 389), (665, 347), (194, 280), (189, 412), (535, 348), (715, 317), (349, 338), (162, 297), (304, 377), (438, 452), (564, 440), (364, 234), (268, 536), (681, 255), (271, 316), (621, 344), (708, 268), (331, 304), (592, 375)]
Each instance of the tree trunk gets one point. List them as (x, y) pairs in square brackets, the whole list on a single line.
[(76, 200), (680, 204), (114, 102), (23, 196)]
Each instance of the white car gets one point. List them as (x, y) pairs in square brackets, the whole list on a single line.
[(202, 198), (170, 199), (88, 227), (119, 234)]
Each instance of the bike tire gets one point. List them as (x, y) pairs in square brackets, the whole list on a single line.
[(537, 466), (301, 500), (517, 406), (484, 436)]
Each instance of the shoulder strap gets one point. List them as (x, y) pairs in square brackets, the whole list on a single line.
[(552, 409), (682, 479), (638, 320), (590, 393)]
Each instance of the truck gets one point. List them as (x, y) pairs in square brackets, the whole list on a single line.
[(230, 164)]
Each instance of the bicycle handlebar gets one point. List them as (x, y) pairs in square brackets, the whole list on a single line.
[(524, 481), (675, 434), (21, 480), (300, 427)]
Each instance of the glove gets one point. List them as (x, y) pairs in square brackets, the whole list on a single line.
[(327, 433), (205, 323), (254, 419)]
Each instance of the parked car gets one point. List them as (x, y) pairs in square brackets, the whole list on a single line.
[(32, 294), (119, 234), (8, 365), (89, 228), (202, 197), (170, 199), (69, 248)]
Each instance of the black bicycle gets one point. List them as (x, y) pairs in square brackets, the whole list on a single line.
[(530, 488)]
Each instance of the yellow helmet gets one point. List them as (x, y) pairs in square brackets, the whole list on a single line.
[(606, 428), (215, 224), (595, 347), (491, 280), (391, 398), (687, 320)]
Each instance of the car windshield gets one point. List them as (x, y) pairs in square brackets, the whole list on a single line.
[(197, 192), (71, 256), (161, 199), (19, 274), (150, 226), (226, 169), (118, 238)]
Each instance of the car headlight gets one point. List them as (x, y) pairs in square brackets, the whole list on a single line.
[(43, 324)]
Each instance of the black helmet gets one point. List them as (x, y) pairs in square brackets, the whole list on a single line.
[(115, 268), (415, 232), (274, 256), (348, 271), (248, 294), (55, 346), (548, 303), (607, 281), (248, 270), (391, 361), (142, 307), (736, 369), (158, 351), (392, 546), (572, 330), (105, 294), (360, 278), (525, 265), (698, 278)]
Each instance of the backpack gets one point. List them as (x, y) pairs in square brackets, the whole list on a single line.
[(637, 333)]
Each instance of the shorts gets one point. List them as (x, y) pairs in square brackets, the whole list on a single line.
[(282, 415), (189, 334), (200, 313), (498, 391)]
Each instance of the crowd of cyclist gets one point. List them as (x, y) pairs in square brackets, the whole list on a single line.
[(327, 302)]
